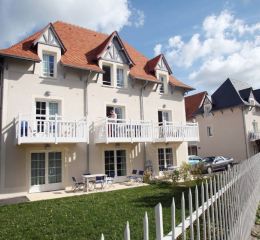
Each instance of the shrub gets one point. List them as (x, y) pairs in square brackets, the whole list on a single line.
[(175, 176), (147, 177), (185, 171)]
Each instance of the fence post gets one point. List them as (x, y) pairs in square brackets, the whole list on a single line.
[(102, 237), (208, 210), (173, 219), (127, 232), (159, 221), (146, 227), (197, 212), (203, 212), (183, 216), (190, 212)]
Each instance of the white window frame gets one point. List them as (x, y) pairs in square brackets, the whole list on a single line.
[(48, 75), (114, 107)]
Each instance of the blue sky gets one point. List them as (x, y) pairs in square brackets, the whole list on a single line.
[(205, 41)]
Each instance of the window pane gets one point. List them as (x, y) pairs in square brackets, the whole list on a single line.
[(107, 75), (54, 167), (169, 156), (162, 85), (48, 65), (161, 159), (121, 162), (37, 168), (120, 77), (109, 163)]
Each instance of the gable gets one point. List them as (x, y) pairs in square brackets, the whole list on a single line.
[(49, 36), (226, 96), (161, 65), (115, 53)]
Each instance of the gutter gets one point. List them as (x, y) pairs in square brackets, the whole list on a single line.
[(18, 57), (86, 116)]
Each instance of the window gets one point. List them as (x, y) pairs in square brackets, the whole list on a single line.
[(115, 163), (119, 112), (120, 77), (162, 79), (165, 158), (45, 110), (48, 65), (209, 131), (107, 75), (164, 116)]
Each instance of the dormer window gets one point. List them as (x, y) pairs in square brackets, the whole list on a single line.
[(48, 65), (107, 75), (162, 88)]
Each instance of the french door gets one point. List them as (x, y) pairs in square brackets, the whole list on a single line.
[(115, 163), (119, 111), (46, 171), (165, 158), (45, 110), (163, 116)]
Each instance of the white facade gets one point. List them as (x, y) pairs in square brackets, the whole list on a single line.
[(51, 124)]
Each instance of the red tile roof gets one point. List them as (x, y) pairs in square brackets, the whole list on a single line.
[(82, 48), (193, 103)]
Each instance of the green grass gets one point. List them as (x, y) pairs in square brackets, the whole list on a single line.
[(86, 217)]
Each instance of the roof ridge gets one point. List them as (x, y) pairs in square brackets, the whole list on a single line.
[(203, 92), (84, 28)]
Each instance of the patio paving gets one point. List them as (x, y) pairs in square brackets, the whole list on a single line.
[(26, 197)]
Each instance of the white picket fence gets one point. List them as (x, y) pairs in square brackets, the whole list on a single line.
[(224, 207)]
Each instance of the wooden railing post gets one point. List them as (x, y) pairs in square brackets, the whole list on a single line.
[(55, 129)]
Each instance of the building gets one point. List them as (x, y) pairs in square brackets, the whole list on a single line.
[(228, 120), (75, 101)]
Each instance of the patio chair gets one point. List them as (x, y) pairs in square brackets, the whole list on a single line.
[(100, 180), (77, 184), (140, 176), (133, 176), (110, 179)]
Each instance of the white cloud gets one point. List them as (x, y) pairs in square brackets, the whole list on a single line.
[(225, 47), (157, 49), (19, 18)]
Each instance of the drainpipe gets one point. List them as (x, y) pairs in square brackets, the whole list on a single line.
[(86, 114), (245, 132), (142, 112), (1, 136)]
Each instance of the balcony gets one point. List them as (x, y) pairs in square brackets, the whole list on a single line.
[(50, 129), (128, 131), (122, 130), (254, 136), (172, 132)]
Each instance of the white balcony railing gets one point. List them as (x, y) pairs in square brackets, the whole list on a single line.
[(122, 130), (253, 136), (50, 129)]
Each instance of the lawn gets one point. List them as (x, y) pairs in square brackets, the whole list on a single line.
[(87, 216)]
